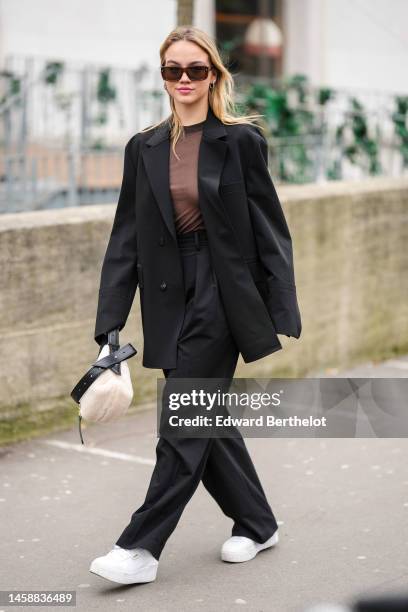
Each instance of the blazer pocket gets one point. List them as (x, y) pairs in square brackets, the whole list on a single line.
[(257, 270), (234, 187), (140, 275)]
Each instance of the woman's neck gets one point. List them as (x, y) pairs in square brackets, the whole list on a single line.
[(193, 116)]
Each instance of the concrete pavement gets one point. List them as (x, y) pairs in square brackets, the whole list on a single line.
[(341, 504)]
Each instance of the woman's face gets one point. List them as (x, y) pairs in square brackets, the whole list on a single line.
[(185, 53)]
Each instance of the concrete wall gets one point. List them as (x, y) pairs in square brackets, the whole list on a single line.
[(351, 262)]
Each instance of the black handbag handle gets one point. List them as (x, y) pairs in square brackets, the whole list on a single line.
[(113, 341)]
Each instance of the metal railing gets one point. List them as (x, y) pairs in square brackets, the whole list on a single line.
[(63, 131)]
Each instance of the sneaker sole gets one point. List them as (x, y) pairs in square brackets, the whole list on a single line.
[(146, 575), (240, 557)]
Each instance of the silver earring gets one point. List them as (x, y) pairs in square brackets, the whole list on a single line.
[(212, 85)]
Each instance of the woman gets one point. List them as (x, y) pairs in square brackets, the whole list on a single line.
[(200, 229)]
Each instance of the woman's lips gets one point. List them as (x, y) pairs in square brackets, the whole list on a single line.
[(184, 89)]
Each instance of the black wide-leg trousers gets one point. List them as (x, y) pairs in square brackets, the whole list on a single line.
[(206, 349)]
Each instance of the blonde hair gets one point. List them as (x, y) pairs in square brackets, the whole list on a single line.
[(220, 96)]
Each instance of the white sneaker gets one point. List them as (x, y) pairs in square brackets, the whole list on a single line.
[(126, 566), (239, 548)]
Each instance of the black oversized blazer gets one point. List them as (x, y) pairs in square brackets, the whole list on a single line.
[(249, 241)]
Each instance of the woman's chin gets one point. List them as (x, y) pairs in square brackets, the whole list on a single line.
[(186, 99)]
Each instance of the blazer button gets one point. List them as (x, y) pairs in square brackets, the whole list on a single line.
[(161, 241), (163, 286)]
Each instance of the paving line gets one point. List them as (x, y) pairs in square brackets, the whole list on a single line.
[(102, 452)]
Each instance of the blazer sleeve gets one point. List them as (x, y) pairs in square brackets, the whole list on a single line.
[(119, 278), (272, 237)]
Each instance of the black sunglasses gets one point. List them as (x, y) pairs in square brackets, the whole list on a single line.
[(194, 73)]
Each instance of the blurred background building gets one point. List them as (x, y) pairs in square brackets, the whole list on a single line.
[(78, 79)]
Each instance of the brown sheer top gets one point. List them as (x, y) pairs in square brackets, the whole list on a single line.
[(183, 180)]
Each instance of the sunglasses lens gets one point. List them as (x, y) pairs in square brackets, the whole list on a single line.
[(174, 73), (171, 73), (197, 73)]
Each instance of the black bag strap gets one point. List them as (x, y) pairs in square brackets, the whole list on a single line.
[(99, 366), (113, 341)]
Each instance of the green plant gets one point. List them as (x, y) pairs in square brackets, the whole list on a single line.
[(289, 120), (13, 86), (362, 148), (53, 72), (294, 116), (105, 93), (400, 120)]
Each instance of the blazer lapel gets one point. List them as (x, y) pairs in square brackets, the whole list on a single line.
[(156, 156)]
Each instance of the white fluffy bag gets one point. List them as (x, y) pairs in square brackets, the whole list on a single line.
[(105, 392), (110, 396)]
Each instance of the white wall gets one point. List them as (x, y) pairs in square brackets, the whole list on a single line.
[(204, 11), (348, 43), (118, 32)]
